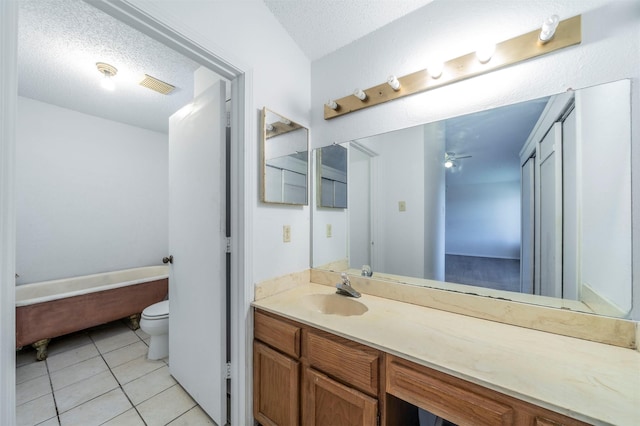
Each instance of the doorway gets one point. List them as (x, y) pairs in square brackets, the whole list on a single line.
[(240, 295)]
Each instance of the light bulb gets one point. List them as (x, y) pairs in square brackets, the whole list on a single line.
[(359, 93), (393, 82), (549, 28), (332, 104), (435, 69), (448, 164), (485, 52)]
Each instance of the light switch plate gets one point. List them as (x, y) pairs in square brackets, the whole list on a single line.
[(329, 231), (402, 206), (286, 233)]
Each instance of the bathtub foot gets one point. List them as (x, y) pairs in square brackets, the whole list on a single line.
[(41, 347), (134, 321)]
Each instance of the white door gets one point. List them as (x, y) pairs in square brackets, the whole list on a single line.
[(549, 234), (527, 248), (197, 303)]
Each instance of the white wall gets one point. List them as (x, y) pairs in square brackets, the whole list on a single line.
[(484, 220), (434, 141), (91, 194), (400, 162), (359, 211), (604, 198), (246, 34), (608, 52)]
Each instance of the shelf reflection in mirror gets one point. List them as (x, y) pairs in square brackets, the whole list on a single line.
[(332, 176), (536, 206), (285, 163)]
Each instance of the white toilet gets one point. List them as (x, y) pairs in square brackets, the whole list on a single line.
[(155, 322)]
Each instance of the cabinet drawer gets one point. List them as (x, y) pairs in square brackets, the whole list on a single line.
[(278, 334), (454, 399), (350, 362)]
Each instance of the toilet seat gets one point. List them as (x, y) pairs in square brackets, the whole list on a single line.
[(157, 311)]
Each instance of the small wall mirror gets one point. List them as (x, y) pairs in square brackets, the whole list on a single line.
[(332, 176), (285, 160)]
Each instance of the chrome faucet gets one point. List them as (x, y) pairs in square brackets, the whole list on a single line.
[(345, 289)]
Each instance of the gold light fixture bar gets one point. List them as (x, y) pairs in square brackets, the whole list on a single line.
[(508, 52), (280, 128)]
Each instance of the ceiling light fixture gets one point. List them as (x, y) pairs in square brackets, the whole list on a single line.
[(108, 71), (451, 160)]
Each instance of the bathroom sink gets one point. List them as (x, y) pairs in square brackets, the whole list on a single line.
[(334, 304)]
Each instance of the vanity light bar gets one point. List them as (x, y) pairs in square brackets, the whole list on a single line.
[(508, 52)]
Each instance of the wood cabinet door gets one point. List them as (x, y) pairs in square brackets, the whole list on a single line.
[(326, 402), (276, 387)]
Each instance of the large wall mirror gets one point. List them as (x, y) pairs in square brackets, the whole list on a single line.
[(285, 160), (528, 202)]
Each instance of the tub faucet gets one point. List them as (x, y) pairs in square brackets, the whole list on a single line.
[(345, 289)]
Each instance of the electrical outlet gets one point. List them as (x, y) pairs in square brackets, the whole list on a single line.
[(286, 233), (402, 206), (329, 230)]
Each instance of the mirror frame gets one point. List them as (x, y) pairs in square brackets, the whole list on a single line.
[(263, 160)]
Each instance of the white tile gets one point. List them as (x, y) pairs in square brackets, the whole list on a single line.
[(84, 390), (32, 389), (72, 356), (98, 410), (166, 406), (136, 368), (150, 384), (128, 418), (36, 411), (141, 334), (195, 416), (30, 371), (125, 354), (65, 343), (115, 341), (51, 422), (77, 372)]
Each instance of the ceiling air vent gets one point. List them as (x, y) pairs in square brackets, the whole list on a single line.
[(157, 85)]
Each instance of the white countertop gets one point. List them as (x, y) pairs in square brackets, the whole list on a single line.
[(590, 381)]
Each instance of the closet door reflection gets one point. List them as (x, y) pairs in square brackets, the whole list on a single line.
[(527, 257)]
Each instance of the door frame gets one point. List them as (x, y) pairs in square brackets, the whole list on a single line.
[(242, 127)]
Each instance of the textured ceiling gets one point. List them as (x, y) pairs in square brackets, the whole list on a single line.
[(323, 26), (60, 42)]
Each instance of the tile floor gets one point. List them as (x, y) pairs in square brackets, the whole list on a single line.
[(101, 376)]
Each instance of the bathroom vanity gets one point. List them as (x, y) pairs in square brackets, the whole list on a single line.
[(324, 359)]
